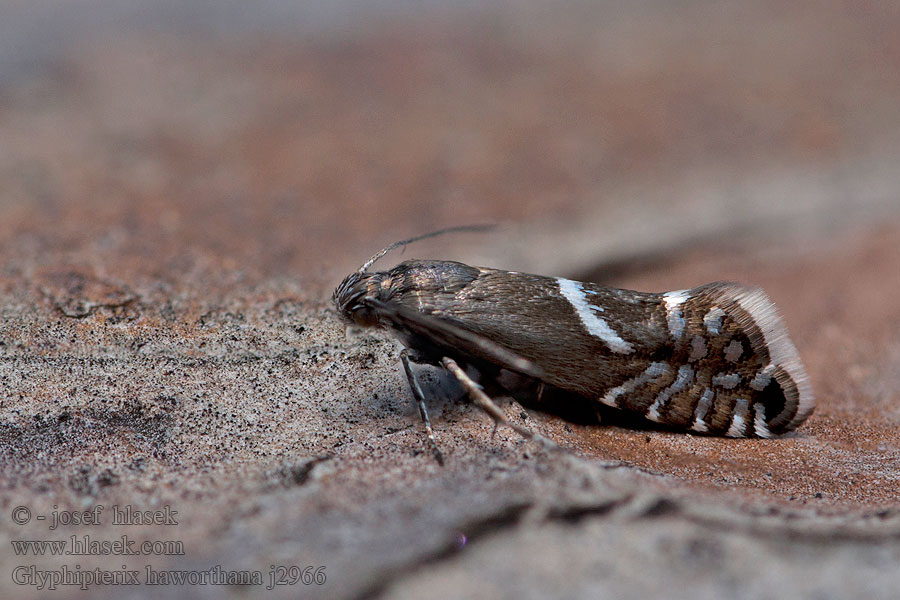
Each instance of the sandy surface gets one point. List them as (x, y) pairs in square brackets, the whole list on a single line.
[(175, 211)]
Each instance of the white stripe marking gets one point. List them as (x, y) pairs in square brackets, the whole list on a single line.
[(737, 420), (728, 381), (651, 373), (575, 294), (733, 351), (763, 378), (703, 406), (684, 377), (759, 423), (713, 320), (674, 315), (698, 348)]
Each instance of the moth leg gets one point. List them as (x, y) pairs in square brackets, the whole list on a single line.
[(420, 402), (484, 402)]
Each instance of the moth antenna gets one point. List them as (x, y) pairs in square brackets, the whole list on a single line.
[(396, 245)]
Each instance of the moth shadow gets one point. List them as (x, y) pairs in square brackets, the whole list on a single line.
[(442, 389), (574, 408)]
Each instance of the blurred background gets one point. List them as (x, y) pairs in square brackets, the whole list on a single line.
[(224, 142)]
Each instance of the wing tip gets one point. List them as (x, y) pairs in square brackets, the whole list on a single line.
[(784, 365)]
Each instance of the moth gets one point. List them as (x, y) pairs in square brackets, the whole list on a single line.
[(715, 359)]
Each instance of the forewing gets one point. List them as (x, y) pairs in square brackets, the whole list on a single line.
[(443, 334)]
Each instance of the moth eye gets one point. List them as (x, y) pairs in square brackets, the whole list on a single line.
[(364, 317)]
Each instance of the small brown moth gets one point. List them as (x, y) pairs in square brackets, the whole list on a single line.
[(715, 359)]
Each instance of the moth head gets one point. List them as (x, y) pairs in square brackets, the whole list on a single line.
[(355, 295), (352, 294)]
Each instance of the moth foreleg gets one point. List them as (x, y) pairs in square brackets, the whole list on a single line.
[(484, 402), (420, 402)]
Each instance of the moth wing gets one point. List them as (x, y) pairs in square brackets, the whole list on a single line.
[(402, 318)]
